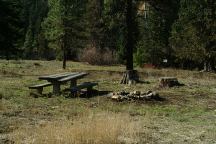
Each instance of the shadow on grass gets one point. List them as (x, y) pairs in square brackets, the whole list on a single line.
[(85, 94), (143, 82)]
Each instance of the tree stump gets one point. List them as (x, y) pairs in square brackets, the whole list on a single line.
[(130, 77), (168, 82)]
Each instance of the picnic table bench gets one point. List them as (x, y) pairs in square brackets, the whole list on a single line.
[(88, 85), (40, 87)]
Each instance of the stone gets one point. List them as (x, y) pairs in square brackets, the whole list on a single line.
[(115, 97), (137, 92), (148, 92), (136, 95)]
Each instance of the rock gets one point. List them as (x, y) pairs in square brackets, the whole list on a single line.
[(152, 95), (116, 97), (137, 92), (148, 92), (143, 93), (136, 95), (122, 93)]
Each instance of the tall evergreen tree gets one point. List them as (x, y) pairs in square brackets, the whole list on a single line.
[(115, 28), (130, 75), (95, 10), (34, 12), (10, 27), (64, 27), (193, 36)]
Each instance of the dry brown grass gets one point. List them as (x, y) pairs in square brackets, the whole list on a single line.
[(103, 128)]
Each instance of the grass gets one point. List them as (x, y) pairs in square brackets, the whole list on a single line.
[(186, 116), (92, 128)]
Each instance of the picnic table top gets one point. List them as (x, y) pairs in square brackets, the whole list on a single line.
[(71, 77), (57, 76)]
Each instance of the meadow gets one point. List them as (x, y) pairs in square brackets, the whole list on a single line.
[(187, 115)]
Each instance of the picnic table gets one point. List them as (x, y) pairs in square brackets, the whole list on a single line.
[(58, 79)]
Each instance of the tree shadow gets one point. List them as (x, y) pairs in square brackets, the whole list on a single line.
[(88, 94), (143, 82)]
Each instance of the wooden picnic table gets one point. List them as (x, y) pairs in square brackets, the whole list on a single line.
[(57, 79)]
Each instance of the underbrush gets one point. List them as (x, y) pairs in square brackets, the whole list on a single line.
[(98, 57)]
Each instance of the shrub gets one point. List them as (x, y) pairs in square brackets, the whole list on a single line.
[(97, 57)]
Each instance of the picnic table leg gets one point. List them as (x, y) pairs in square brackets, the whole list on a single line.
[(73, 83), (40, 90), (56, 88)]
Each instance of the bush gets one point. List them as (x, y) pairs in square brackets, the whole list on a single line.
[(98, 57)]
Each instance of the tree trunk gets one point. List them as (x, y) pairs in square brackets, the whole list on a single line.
[(130, 41), (64, 59), (209, 65), (130, 76)]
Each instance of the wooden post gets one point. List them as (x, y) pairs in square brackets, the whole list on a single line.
[(56, 88), (40, 90), (73, 83), (89, 89)]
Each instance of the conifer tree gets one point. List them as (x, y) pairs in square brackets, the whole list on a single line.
[(10, 28), (193, 35)]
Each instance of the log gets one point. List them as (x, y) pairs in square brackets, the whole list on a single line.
[(168, 82)]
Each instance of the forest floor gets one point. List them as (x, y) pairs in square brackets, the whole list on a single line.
[(187, 115)]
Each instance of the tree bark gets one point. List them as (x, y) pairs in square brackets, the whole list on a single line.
[(130, 76), (130, 41), (209, 65), (64, 59)]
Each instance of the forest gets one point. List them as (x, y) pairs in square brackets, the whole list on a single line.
[(166, 33), (107, 72)]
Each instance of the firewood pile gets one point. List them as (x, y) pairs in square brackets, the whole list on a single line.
[(136, 95)]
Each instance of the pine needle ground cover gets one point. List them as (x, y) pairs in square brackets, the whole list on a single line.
[(187, 115)]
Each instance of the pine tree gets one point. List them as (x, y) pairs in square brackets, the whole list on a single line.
[(130, 75), (53, 27), (64, 27), (34, 12), (115, 28), (193, 35), (10, 28), (95, 10)]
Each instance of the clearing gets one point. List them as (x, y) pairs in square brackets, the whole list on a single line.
[(188, 114)]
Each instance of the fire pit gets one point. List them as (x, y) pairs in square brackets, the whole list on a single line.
[(136, 95)]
